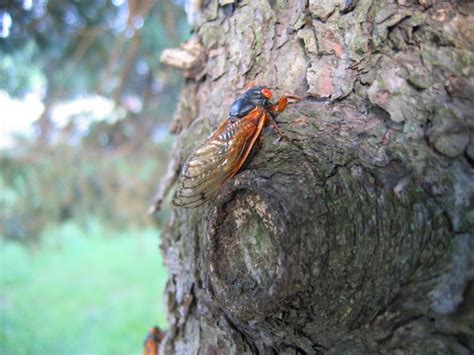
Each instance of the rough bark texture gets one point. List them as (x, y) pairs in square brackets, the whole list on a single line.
[(357, 236)]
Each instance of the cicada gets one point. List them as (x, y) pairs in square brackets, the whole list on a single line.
[(228, 148), (152, 341)]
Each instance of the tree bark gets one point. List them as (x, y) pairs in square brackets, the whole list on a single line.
[(356, 236)]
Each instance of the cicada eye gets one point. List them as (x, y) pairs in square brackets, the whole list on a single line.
[(267, 93)]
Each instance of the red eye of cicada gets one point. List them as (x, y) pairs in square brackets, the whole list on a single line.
[(267, 93)]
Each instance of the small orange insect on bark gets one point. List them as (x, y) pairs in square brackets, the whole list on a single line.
[(152, 341), (225, 152)]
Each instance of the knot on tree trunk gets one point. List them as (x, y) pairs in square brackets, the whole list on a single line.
[(271, 261), (248, 259)]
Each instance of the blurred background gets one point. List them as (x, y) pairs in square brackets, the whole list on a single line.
[(84, 112)]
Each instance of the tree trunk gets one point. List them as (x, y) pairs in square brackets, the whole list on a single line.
[(356, 236)]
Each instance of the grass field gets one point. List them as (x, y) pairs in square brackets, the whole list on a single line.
[(81, 292)]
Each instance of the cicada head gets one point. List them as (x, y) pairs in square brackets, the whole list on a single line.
[(259, 95), (255, 96)]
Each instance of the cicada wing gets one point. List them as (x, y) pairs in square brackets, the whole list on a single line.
[(202, 174), (216, 161)]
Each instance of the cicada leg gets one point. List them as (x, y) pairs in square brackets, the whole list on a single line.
[(277, 129), (278, 108), (282, 103)]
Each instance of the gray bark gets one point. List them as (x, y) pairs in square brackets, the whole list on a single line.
[(356, 236)]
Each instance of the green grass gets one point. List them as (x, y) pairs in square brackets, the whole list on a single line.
[(81, 292)]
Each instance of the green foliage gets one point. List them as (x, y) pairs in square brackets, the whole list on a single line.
[(54, 186), (69, 282), (107, 167), (86, 46), (18, 71), (82, 291)]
